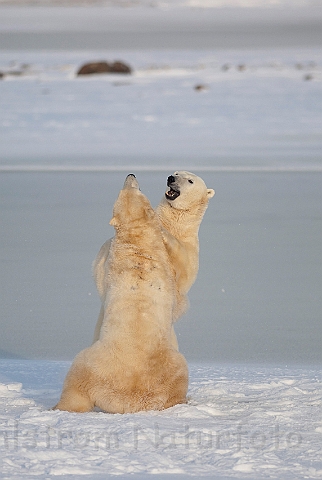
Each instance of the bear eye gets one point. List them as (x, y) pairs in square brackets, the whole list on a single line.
[(190, 181)]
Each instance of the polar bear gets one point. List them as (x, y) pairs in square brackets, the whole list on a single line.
[(180, 212), (133, 365)]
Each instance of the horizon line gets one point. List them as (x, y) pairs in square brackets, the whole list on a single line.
[(151, 168)]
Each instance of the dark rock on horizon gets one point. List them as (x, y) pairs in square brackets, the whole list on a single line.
[(104, 67)]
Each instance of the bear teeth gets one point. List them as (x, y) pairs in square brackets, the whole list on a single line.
[(172, 194)]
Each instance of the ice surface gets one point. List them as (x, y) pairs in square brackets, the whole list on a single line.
[(257, 297), (262, 422), (257, 107)]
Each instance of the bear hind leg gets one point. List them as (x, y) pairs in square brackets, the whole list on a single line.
[(72, 400)]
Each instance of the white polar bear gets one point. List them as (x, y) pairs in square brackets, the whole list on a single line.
[(133, 366), (180, 212)]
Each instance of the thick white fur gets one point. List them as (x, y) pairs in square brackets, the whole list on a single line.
[(133, 365), (180, 219)]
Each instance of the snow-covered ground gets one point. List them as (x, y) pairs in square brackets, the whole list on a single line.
[(252, 107), (240, 422), (258, 69)]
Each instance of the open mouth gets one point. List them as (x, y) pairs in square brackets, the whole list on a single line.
[(174, 190), (172, 194)]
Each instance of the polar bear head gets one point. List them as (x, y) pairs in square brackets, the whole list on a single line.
[(187, 191), (131, 205)]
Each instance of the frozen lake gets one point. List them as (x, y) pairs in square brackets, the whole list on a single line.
[(257, 297)]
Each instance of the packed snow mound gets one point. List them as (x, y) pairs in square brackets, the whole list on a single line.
[(258, 421)]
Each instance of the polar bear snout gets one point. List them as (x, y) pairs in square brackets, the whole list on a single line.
[(171, 179), (131, 181)]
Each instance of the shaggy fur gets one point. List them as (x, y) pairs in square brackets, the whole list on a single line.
[(180, 216), (133, 365), (181, 212)]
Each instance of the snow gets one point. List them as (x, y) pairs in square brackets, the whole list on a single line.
[(252, 420), (256, 105), (258, 64)]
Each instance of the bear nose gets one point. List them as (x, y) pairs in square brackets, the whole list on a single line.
[(171, 179)]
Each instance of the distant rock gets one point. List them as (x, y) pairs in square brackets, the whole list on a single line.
[(120, 67), (201, 87), (94, 67), (11, 73), (241, 67), (104, 67)]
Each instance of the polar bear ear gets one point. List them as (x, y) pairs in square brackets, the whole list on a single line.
[(113, 222), (210, 193)]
